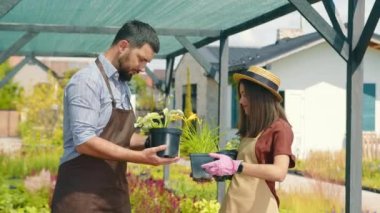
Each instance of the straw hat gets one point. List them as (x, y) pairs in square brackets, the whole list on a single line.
[(261, 77)]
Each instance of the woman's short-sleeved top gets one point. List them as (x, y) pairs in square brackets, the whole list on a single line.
[(277, 139)]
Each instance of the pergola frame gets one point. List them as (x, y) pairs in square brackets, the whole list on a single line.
[(350, 44), (351, 48)]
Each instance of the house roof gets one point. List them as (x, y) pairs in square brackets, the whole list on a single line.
[(241, 57), (85, 28), (281, 48), (235, 53)]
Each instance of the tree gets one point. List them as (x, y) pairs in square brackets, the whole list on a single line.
[(43, 111), (11, 92)]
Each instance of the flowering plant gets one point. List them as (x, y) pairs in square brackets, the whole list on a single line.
[(199, 137), (160, 120)]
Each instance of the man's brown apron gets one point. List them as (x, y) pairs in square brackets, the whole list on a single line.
[(89, 184)]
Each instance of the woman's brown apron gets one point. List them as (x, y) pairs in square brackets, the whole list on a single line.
[(89, 184)]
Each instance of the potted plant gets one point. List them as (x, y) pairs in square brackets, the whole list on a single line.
[(159, 128), (197, 141), (231, 151)]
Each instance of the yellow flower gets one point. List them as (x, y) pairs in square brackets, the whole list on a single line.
[(161, 120), (193, 116)]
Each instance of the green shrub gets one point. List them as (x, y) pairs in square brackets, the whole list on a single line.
[(207, 206), (11, 92), (311, 202), (199, 137), (189, 205), (371, 174), (15, 198), (150, 196), (43, 124), (315, 166), (43, 114), (29, 161), (180, 183)]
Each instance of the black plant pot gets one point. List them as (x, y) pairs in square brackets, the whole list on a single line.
[(166, 136), (232, 154), (197, 172)]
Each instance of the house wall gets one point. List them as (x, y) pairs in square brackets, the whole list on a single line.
[(372, 75), (314, 81), (207, 89), (29, 76)]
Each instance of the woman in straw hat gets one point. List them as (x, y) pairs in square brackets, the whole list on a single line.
[(264, 153)]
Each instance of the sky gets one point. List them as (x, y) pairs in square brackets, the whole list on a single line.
[(265, 34)]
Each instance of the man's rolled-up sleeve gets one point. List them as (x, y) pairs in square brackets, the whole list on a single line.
[(83, 98)]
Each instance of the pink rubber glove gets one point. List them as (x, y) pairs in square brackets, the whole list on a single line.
[(224, 166)]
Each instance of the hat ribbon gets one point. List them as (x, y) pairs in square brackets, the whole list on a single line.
[(261, 79)]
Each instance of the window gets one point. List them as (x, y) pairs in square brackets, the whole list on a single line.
[(369, 97)]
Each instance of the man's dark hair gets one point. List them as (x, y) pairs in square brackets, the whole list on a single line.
[(138, 33)]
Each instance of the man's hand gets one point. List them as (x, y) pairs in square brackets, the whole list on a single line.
[(137, 142), (150, 156), (223, 166)]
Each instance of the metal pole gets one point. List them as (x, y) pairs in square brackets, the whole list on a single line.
[(223, 103), (354, 95)]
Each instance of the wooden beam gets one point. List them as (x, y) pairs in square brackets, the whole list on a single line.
[(223, 104), (157, 82), (43, 66), (101, 30), (198, 44), (354, 101), (196, 55), (17, 46), (367, 33), (276, 13), (169, 75), (15, 70), (69, 54), (6, 6), (57, 54), (335, 19), (281, 11), (336, 40)]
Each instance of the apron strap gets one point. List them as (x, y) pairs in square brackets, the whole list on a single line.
[(101, 69), (129, 100)]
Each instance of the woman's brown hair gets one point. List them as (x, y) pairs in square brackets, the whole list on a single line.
[(263, 109)]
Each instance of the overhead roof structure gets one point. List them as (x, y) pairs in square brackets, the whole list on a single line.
[(86, 28)]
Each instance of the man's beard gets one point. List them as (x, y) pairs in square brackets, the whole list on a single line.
[(124, 75)]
